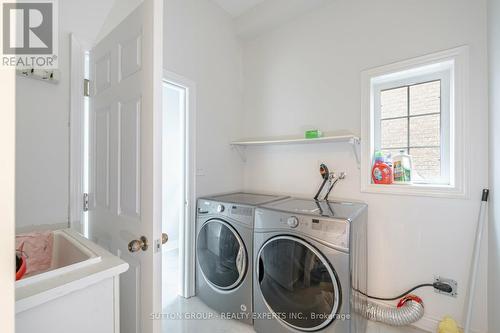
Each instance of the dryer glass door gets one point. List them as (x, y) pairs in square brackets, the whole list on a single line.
[(222, 256), (298, 283)]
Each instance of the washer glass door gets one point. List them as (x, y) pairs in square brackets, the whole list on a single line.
[(298, 284), (221, 254)]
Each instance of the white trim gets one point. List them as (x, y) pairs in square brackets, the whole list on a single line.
[(187, 230), (153, 41), (76, 145), (116, 304), (459, 147)]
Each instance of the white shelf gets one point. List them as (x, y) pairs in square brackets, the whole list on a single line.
[(348, 138)]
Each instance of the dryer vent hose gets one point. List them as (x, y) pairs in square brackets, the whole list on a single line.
[(409, 310)]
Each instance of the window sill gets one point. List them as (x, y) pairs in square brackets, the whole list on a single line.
[(424, 190)]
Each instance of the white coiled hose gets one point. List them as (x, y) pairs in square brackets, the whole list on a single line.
[(409, 310)]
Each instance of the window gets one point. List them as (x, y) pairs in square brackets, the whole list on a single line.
[(413, 108), (413, 118)]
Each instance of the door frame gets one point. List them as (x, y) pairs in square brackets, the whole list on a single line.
[(76, 134), (187, 229)]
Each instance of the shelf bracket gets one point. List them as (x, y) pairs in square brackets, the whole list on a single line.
[(356, 147), (241, 150)]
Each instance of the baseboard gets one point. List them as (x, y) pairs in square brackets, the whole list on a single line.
[(427, 324), (430, 324)]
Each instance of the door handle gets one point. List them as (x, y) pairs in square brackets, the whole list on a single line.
[(138, 244), (164, 238)]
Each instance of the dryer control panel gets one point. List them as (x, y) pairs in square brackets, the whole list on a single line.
[(327, 230), (241, 213)]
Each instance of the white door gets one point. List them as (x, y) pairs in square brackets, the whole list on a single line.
[(125, 102)]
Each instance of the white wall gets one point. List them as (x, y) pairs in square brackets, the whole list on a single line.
[(120, 10), (42, 132), (494, 226), (270, 14), (199, 44), (306, 74), (42, 149)]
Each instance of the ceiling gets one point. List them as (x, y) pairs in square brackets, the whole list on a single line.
[(237, 7), (84, 18), (270, 14)]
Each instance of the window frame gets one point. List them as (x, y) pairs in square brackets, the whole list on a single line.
[(451, 67)]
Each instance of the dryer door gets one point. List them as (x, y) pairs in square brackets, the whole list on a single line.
[(222, 256), (298, 283)]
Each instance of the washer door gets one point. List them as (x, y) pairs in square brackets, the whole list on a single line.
[(298, 284), (222, 256)]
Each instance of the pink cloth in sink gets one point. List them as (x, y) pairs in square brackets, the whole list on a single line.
[(37, 247)]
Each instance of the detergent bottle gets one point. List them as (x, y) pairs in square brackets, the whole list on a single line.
[(382, 169), (402, 168)]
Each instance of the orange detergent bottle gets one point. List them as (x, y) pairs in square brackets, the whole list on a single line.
[(382, 172)]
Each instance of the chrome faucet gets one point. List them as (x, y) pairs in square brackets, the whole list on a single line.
[(333, 179)]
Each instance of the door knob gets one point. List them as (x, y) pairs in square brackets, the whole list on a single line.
[(138, 244), (164, 238)]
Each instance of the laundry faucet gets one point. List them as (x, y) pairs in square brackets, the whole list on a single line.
[(333, 179)]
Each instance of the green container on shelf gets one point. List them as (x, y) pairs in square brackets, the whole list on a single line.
[(313, 134)]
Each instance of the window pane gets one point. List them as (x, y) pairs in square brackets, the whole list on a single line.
[(425, 98), (394, 133), (394, 103), (425, 131), (426, 163)]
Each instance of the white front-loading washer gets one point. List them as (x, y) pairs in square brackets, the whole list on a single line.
[(224, 252), (308, 257)]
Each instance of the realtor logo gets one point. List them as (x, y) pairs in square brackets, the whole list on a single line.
[(30, 34)]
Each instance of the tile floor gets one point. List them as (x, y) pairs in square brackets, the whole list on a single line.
[(209, 323), (191, 315)]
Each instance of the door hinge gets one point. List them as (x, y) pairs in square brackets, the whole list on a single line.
[(85, 202), (86, 87)]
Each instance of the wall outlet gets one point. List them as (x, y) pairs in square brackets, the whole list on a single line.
[(450, 282)]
